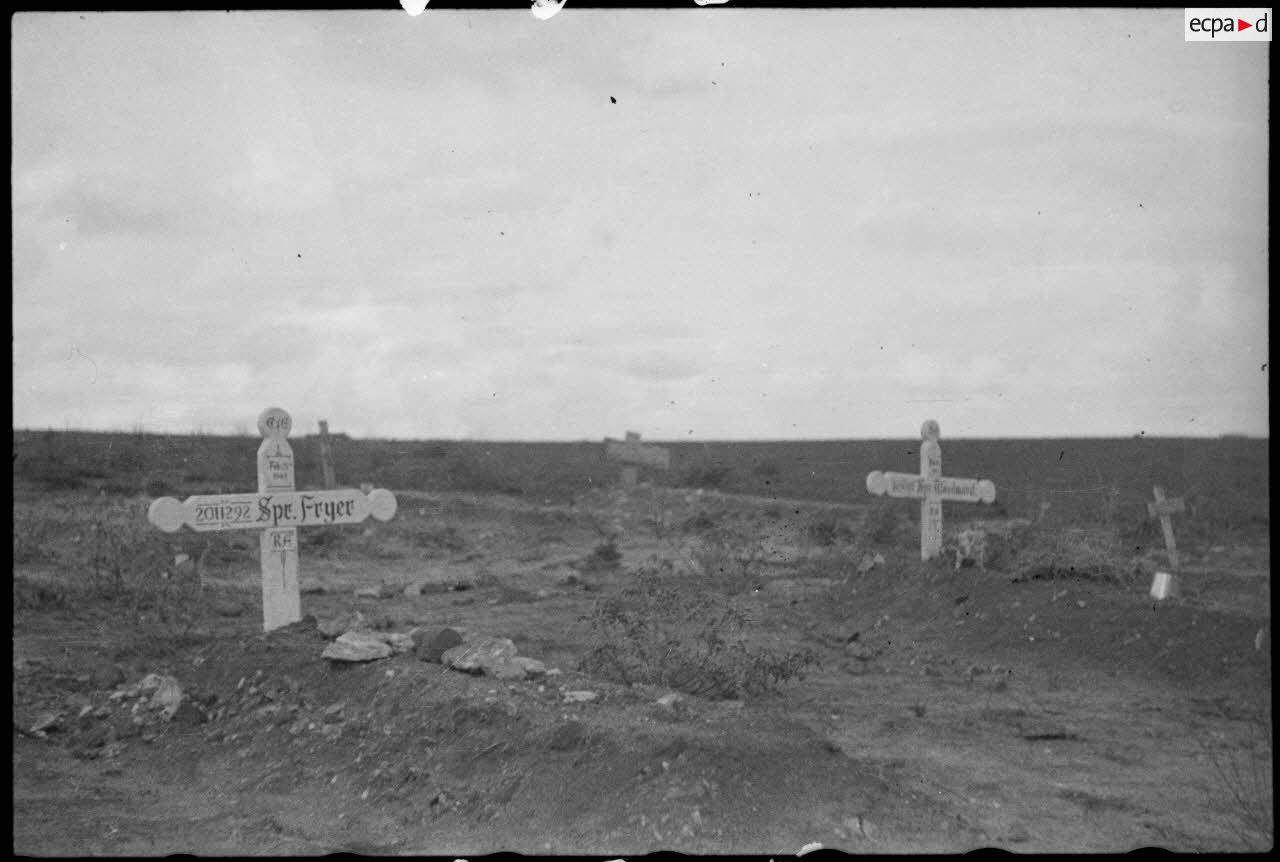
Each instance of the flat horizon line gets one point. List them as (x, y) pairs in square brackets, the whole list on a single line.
[(1230, 435)]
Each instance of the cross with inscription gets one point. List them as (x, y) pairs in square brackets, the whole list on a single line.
[(632, 452), (278, 510), (931, 488)]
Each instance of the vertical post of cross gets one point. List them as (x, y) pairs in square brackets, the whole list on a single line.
[(630, 472), (281, 598), (931, 505), (326, 457), (632, 454), (1162, 508)]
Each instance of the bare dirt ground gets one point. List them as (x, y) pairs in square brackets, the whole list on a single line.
[(950, 710)]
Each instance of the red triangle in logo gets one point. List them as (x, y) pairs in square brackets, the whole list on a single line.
[(1242, 24)]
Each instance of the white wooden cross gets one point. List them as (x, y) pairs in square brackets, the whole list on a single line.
[(278, 510), (632, 452), (931, 488), (1162, 508)]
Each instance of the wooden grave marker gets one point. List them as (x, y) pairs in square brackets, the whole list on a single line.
[(1162, 508), (326, 456), (633, 454), (931, 488), (277, 509)]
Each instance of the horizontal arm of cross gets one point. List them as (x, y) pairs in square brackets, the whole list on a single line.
[(915, 486), (216, 512), (635, 453), (1175, 506)]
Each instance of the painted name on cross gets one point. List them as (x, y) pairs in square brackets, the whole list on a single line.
[(285, 509)]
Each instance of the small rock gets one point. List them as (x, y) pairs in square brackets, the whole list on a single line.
[(478, 656), (670, 700), (508, 670), (150, 683), (331, 628), (412, 591), (188, 713), (357, 646), (369, 593), (579, 696), (532, 667), (431, 644), (167, 697), (860, 651), (399, 642), (47, 722)]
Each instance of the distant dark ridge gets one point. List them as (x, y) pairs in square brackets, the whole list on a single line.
[(1228, 476)]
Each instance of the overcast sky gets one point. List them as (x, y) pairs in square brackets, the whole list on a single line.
[(789, 224)]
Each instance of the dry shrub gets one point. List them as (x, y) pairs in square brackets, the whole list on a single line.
[(1074, 553), (728, 562), (1245, 776), (663, 632)]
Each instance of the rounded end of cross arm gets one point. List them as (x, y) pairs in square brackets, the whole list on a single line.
[(876, 483), (382, 504), (167, 514), (987, 491)]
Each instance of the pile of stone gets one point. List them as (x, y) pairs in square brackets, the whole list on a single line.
[(477, 655)]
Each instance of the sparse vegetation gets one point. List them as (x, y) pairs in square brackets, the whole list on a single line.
[(1245, 776), (604, 557), (1078, 554), (682, 637), (728, 562)]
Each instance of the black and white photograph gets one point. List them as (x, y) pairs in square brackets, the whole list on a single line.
[(442, 429)]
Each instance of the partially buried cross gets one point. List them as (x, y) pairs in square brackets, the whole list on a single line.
[(278, 510)]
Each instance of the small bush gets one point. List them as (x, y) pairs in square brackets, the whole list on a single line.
[(728, 562), (29, 595), (604, 557), (767, 469), (1245, 778), (709, 475), (882, 522), (443, 538), (1081, 554), (699, 523), (826, 530), (688, 640)]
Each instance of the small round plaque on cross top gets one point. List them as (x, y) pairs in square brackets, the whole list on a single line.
[(274, 423), (930, 430)]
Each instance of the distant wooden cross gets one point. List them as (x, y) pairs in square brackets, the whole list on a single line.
[(326, 456), (1162, 508), (278, 510), (632, 453), (931, 488)]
